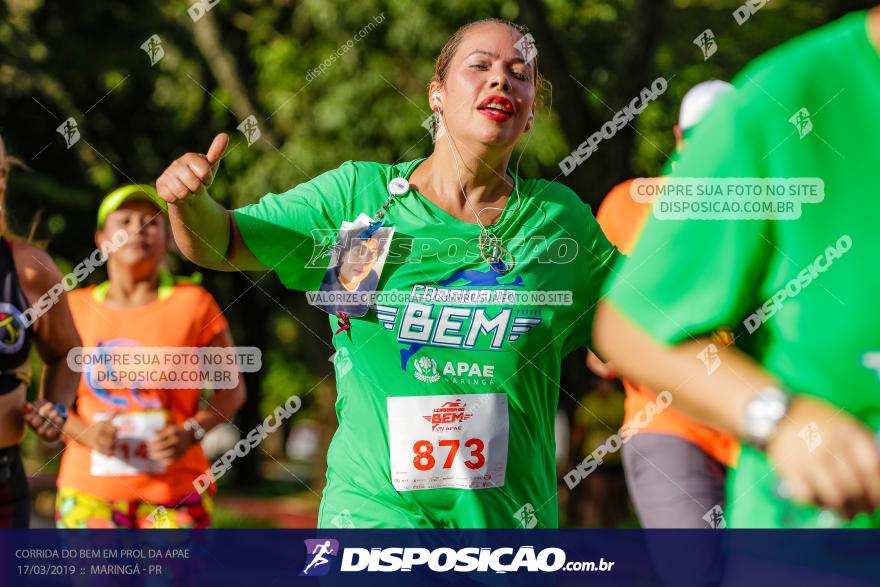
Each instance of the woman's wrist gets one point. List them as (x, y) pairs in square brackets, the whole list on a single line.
[(72, 428), (762, 416), (195, 428)]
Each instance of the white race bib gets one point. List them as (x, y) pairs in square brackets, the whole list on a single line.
[(133, 430), (448, 441)]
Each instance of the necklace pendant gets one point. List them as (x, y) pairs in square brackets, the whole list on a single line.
[(493, 252), (503, 263)]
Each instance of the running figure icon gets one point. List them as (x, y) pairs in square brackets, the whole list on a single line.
[(318, 551)]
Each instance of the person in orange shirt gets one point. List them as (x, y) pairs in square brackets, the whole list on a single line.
[(133, 453), (675, 467)]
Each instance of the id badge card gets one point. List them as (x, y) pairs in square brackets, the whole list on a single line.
[(356, 263), (133, 430), (457, 441)]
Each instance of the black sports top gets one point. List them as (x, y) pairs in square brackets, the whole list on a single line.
[(15, 338)]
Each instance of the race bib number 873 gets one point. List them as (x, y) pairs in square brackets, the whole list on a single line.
[(448, 441)]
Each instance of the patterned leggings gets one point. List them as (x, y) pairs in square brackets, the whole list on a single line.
[(77, 509)]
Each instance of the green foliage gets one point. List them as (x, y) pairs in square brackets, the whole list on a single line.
[(85, 61), (284, 378)]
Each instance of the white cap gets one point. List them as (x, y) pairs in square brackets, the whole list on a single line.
[(698, 99)]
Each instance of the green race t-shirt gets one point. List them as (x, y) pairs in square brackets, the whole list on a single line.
[(805, 110), (446, 398)]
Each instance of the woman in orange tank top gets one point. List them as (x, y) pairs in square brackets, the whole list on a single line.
[(133, 454)]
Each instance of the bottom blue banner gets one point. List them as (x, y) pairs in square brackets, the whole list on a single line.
[(448, 557)]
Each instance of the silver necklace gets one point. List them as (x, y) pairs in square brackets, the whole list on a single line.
[(491, 246)]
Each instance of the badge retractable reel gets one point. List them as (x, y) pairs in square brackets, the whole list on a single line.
[(396, 187)]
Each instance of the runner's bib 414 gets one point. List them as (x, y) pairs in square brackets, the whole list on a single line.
[(133, 430), (439, 441)]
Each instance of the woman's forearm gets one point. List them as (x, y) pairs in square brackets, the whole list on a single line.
[(222, 407), (74, 429), (59, 382), (201, 230), (715, 394)]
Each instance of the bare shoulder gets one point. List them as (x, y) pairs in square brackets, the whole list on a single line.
[(36, 270)]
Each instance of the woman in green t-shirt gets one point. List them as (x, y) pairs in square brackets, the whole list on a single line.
[(447, 388)]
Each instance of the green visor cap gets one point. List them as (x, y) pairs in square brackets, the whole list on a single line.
[(117, 197)]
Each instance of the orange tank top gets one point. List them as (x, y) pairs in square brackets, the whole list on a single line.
[(189, 316)]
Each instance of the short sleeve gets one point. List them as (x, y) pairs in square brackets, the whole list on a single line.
[(596, 257), (611, 216), (685, 278), (288, 232)]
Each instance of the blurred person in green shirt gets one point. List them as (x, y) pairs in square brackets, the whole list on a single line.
[(800, 389)]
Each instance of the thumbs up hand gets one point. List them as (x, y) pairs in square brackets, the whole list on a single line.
[(191, 172)]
